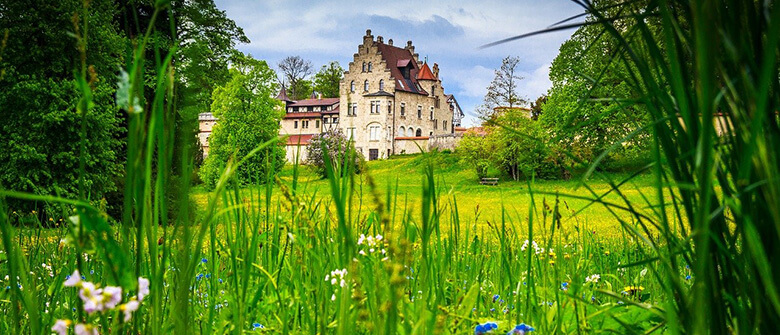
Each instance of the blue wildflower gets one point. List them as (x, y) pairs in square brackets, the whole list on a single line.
[(199, 276), (495, 297), (485, 328), (565, 286), (521, 329), (204, 260), (257, 326), (688, 277), (220, 280)]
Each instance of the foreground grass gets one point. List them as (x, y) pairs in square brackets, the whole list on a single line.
[(271, 255)]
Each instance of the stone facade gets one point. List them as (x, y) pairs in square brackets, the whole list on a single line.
[(206, 122), (389, 97)]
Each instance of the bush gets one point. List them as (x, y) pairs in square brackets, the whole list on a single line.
[(339, 149)]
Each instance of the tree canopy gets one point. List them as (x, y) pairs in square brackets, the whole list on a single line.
[(587, 109), (326, 81), (248, 117)]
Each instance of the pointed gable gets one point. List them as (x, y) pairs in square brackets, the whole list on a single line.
[(283, 95), (425, 73)]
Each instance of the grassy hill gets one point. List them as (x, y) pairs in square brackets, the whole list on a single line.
[(456, 181)]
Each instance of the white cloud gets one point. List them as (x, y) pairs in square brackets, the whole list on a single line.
[(449, 33)]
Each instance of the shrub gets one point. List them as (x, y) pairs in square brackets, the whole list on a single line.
[(339, 149)]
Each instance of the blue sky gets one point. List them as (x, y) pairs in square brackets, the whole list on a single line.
[(447, 32)]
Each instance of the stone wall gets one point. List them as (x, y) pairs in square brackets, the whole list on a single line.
[(444, 142)]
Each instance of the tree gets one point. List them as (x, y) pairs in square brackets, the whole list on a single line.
[(338, 149), (326, 81), (248, 117), (588, 116), (303, 90), (41, 128), (536, 107), (502, 91), (294, 69)]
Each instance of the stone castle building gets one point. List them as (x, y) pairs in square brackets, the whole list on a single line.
[(390, 103)]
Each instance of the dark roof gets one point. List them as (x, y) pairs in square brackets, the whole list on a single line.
[(425, 73), (299, 139), (315, 102), (401, 58), (283, 95), (378, 94)]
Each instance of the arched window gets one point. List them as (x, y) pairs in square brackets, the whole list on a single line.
[(369, 66), (365, 86), (352, 86), (402, 131), (419, 132), (364, 66), (409, 132), (381, 84)]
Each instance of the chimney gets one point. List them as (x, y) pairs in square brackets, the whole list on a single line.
[(390, 41), (409, 46), (368, 38), (380, 39), (436, 70)]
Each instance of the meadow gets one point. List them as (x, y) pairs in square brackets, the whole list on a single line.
[(422, 248), (688, 245)]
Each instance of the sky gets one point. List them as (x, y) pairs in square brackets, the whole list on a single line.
[(449, 33)]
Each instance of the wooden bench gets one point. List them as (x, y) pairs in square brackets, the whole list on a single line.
[(489, 181)]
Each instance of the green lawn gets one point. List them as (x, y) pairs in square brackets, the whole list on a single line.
[(481, 203)]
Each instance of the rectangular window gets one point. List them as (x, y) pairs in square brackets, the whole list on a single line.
[(444, 125), (335, 120), (419, 112), (304, 124), (389, 134), (374, 133), (317, 124), (389, 107), (431, 113), (295, 125), (351, 133), (435, 124), (403, 109), (354, 109), (373, 154)]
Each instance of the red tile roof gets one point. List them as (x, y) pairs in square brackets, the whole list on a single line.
[(299, 139), (307, 115), (315, 102), (401, 58), (425, 73)]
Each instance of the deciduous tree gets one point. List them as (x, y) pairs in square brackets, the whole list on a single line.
[(248, 117), (295, 69), (326, 81)]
